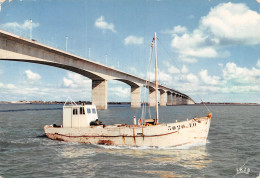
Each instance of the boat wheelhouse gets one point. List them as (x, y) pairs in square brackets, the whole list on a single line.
[(77, 116)]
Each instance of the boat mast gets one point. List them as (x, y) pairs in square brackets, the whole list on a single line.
[(156, 82)]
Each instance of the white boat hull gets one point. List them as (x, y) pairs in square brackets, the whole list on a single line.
[(163, 135)]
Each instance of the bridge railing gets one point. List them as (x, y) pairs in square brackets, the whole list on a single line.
[(26, 34)]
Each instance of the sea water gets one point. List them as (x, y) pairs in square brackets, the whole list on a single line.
[(232, 149)]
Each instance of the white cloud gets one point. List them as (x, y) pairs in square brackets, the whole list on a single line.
[(233, 24), (191, 78), (187, 59), (68, 83), (102, 24), (25, 26), (31, 76), (258, 1), (179, 29), (193, 45), (162, 77), (176, 30), (7, 86), (133, 40), (225, 25), (184, 69), (188, 82), (120, 92), (231, 79), (74, 80), (10, 86), (211, 80), (241, 75), (173, 70), (74, 85)]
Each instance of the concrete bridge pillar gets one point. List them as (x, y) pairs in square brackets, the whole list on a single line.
[(178, 97), (152, 97), (184, 100), (135, 96), (181, 100), (162, 98), (174, 99), (169, 99), (99, 93)]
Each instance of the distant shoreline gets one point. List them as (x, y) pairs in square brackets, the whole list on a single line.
[(124, 103), (228, 103), (55, 102)]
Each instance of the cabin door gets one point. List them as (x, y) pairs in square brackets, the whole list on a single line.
[(67, 116)]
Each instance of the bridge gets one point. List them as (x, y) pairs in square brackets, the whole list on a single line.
[(17, 48)]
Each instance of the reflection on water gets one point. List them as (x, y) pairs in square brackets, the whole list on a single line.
[(193, 158), (71, 152)]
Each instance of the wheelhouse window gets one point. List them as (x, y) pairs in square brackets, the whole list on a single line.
[(75, 111), (94, 111), (88, 111), (82, 110)]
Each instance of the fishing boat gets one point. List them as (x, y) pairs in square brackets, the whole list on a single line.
[(81, 124)]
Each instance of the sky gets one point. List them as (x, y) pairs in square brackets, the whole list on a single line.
[(207, 49)]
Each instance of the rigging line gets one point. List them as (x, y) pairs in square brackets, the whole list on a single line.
[(204, 104), (181, 73), (145, 94), (150, 65), (144, 105), (148, 82), (146, 86)]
